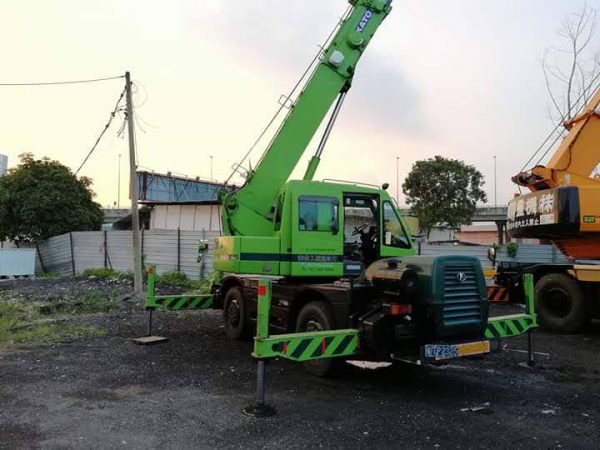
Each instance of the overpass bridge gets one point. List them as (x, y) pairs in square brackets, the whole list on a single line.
[(496, 214)]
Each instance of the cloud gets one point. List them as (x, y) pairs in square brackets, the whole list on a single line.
[(385, 97), (283, 40)]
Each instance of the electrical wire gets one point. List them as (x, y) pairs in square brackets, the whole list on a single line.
[(50, 83), (112, 116)]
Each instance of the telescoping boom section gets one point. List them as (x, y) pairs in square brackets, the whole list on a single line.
[(249, 211)]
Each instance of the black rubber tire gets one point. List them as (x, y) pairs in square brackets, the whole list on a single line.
[(559, 303), (234, 314), (317, 312)]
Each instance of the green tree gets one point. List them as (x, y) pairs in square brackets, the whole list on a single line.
[(443, 191), (43, 198)]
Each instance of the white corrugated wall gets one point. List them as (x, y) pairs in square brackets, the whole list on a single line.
[(178, 250)]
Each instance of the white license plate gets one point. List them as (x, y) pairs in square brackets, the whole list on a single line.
[(444, 351)]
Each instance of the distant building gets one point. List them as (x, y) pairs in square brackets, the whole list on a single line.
[(3, 165), (171, 202), (478, 234), (113, 215)]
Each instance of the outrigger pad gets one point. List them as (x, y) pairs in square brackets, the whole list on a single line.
[(259, 411), (151, 340)]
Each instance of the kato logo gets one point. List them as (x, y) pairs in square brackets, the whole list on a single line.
[(364, 21)]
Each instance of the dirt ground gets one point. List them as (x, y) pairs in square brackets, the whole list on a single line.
[(106, 392)]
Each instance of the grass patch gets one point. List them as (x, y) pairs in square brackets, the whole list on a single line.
[(18, 326), (94, 302), (50, 333), (37, 322), (107, 273), (175, 278), (51, 275)]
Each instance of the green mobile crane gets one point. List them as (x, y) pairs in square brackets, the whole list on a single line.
[(339, 254), (329, 267)]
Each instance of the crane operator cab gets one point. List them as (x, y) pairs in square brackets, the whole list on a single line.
[(343, 226), (320, 229)]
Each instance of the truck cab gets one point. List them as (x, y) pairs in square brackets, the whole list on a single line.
[(320, 229)]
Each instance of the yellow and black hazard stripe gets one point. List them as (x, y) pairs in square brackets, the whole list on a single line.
[(497, 294), (510, 326), (307, 346), (182, 302)]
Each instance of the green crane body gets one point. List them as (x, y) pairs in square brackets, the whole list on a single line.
[(261, 219), (337, 258)]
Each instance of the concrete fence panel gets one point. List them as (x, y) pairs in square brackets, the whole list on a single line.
[(55, 255), (88, 250), (17, 262)]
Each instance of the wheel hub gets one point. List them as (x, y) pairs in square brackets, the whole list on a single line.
[(313, 325), (558, 302), (233, 313)]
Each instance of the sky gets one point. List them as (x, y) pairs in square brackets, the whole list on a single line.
[(459, 79)]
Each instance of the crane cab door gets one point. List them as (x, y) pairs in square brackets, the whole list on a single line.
[(361, 231), (317, 241)]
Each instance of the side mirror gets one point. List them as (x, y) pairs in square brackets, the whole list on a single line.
[(334, 229)]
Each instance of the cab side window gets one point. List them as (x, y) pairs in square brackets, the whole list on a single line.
[(317, 213)]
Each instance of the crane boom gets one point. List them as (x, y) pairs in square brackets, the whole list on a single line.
[(249, 210), (564, 205), (575, 159)]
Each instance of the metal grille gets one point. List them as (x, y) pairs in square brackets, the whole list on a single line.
[(462, 301)]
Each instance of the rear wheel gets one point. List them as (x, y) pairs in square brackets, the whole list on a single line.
[(560, 304), (316, 316), (234, 314)]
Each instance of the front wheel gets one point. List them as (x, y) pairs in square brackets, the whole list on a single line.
[(560, 304), (234, 314), (316, 316)]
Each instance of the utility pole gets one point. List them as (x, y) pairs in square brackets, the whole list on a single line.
[(398, 180), (211, 171), (133, 192), (119, 185), (495, 184)]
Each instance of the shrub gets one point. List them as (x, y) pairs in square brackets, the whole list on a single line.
[(175, 278)]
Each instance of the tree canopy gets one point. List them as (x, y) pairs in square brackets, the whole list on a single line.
[(43, 198), (444, 191)]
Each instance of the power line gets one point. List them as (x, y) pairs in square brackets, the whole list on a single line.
[(49, 83), (112, 116)]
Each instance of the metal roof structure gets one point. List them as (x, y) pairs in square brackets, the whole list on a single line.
[(155, 188)]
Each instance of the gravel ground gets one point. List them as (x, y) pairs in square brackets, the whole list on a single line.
[(188, 393), (70, 288)]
